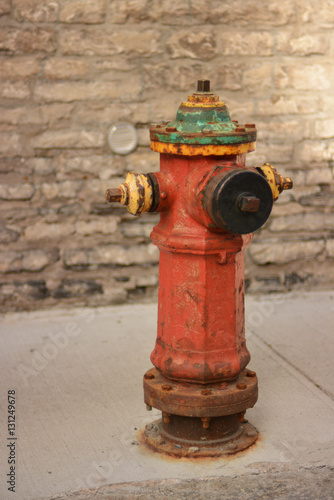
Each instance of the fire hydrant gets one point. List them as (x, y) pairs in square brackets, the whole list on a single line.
[(210, 203)]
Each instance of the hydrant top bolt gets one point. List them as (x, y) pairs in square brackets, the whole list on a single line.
[(203, 86)]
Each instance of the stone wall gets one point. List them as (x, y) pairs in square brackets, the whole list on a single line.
[(71, 68)]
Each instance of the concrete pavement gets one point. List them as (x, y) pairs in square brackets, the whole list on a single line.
[(77, 377)]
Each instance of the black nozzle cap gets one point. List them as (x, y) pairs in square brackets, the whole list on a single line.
[(239, 200)]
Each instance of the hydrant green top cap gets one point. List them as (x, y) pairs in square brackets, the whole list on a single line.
[(203, 124)]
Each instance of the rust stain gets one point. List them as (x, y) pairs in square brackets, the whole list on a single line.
[(203, 149)]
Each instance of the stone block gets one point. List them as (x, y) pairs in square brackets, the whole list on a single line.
[(70, 288), (199, 12), (10, 144), (4, 7), (28, 40), (55, 113), (112, 295), (289, 208), (179, 76), (65, 189), (286, 105), (311, 77), (143, 136), (302, 45), (241, 108), (107, 65), (14, 90), (104, 166), (172, 12), (20, 115), (282, 76), (324, 129), (316, 176), (282, 252), (22, 191), (147, 280), (197, 44), (27, 260), (313, 221), (164, 108), (229, 76), (42, 166), (135, 11), (257, 78), (257, 43), (323, 198), (82, 11), (19, 67), (131, 11), (97, 42), (111, 255), (107, 225), (100, 186), (68, 209), (330, 247), (105, 113), (317, 151), (61, 68), (272, 153), (135, 230), (143, 161), (301, 191), (9, 234), (324, 13), (41, 230), (36, 11), (17, 293), (248, 13), (76, 139), (327, 103), (279, 131), (122, 90)]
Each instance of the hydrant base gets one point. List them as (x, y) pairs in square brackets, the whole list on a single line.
[(197, 400), (156, 439)]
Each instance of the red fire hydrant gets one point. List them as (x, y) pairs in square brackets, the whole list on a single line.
[(210, 203)]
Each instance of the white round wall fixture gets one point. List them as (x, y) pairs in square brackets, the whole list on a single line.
[(122, 138)]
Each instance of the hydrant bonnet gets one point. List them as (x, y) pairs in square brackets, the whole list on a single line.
[(203, 126)]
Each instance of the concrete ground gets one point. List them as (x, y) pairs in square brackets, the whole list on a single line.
[(77, 377)]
